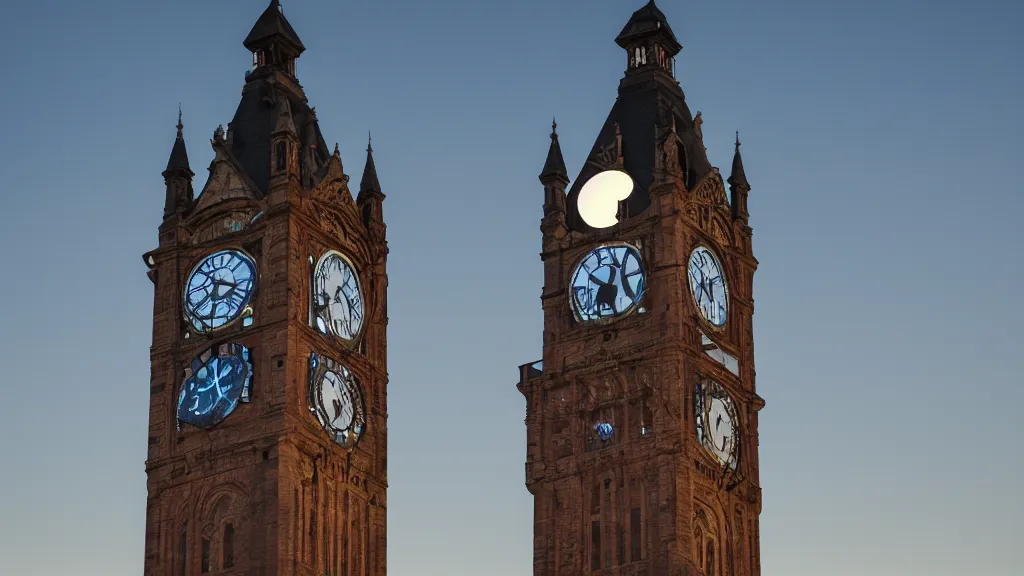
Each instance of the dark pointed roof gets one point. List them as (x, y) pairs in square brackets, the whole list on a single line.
[(272, 25), (648, 21), (369, 182), (738, 177), (257, 118), (179, 156), (644, 113), (554, 166)]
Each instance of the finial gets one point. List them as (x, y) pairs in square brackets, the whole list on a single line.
[(218, 134), (336, 151), (737, 140), (180, 125), (554, 127), (369, 141)]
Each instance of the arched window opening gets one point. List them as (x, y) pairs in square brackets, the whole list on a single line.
[(229, 546), (259, 58), (281, 154), (643, 55), (636, 57)]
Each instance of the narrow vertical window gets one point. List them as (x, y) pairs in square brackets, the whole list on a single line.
[(183, 550), (205, 565), (709, 557), (637, 56), (229, 546), (634, 535), (643, 55), (281, 155), (595, 545)]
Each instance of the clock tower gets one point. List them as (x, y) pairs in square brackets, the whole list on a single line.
[(642, 415), (268, 393)]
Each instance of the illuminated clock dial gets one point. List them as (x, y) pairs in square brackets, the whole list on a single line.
[(337, 298), (214, 384), (608, 282), (219, 289), (717, 424), (336, 400), (707, 284)]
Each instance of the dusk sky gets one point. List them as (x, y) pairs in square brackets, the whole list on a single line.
[(883, 143)]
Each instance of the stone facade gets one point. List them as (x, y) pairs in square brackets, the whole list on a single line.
[(267, 491), (650, 501)]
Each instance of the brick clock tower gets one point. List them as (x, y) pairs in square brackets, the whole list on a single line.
[(642, 416), (268, 398)]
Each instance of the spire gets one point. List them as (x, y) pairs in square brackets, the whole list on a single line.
[(738, 177), (272, 27), (179, 156), (554, 166), (739, 186), (369, 182)]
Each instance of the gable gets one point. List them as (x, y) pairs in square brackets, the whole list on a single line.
[(226, 182)]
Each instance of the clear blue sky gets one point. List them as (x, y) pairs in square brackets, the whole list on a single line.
[(883, 142)]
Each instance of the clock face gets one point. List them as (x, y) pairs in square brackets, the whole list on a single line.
[(214, 384), (337, 299), (336, 399), (219, 289), (608, 282), (707, 283), (717, 424)]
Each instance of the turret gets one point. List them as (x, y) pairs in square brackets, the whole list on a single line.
[(273, 42), (371, 199), (554, 177), (738, 186), (284, 147), (178, 176), (649, 41)]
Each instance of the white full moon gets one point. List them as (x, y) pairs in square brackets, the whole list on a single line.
[(598, 202)]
